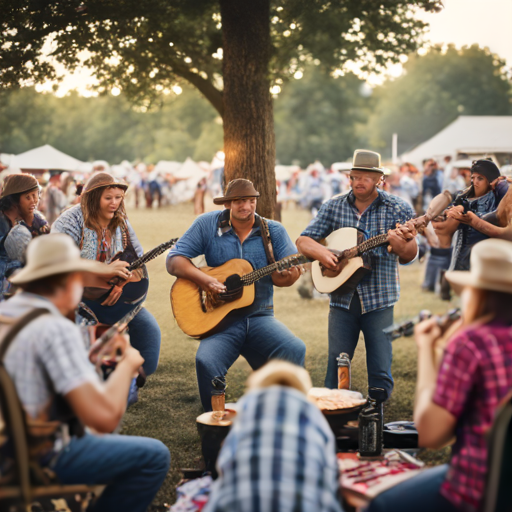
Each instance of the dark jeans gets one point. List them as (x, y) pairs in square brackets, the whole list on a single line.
[(258, 338), (132, 467), (145, 336), (419, 494), (439, 260), (344, 329)]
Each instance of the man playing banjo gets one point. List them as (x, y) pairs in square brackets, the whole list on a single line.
[(368, 308)]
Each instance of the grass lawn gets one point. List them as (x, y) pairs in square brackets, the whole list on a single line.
[(169, 403)]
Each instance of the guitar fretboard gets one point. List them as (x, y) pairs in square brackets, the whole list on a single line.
[(372, 243), (291, 261)]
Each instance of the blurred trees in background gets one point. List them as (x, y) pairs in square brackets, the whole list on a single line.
[(316, 117), (434, 90)]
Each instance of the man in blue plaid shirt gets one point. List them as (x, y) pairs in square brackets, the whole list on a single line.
[(369, 308)]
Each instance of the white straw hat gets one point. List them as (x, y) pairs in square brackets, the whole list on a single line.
[(52, 254), (491, 268)]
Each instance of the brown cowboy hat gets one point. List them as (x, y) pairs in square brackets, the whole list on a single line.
[(365, 160), (19, 183), (237, 189), (103, 179)]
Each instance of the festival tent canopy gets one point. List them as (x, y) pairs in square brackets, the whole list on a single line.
[(474, 135), (45, 158), (190, 170), (167, 166)]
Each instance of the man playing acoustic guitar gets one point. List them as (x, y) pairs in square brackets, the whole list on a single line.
[(369, 308), (252, 331)]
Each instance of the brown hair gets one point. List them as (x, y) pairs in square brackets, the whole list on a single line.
[(90, 203), (487, 305), (46, 286)]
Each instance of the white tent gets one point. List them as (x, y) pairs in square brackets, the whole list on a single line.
[(167, 166), (475, 135), (189, 175), (45, 158)]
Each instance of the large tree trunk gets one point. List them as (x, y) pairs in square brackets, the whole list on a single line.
[(249, 141)]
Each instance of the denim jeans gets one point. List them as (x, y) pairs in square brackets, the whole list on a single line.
[(438, 260), (132, 467), (258, 338), (419, 494), (145, 337), (344, 328)]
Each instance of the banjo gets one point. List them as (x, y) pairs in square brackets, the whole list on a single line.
[(351, 249)]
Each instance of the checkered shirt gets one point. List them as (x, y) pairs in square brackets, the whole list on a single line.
[(475, 374), (46, 357), (278, 457), (381, 287)]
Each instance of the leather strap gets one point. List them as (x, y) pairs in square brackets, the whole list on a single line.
[(267, 241), (17, 327)]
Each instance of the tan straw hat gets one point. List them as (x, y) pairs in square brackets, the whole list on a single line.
[(237, 189), (491, 268), (365, 160), (103, 179), (52, 254), (19, 183)]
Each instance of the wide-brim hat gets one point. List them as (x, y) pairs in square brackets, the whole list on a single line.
[(491, 268), (104, 179), (18, 184), (57, 253), (237, 189), (365, 160)]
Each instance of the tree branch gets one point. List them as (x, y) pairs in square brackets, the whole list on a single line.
[(205, 87)]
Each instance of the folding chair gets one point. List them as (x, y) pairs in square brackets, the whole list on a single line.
[(498, 491)]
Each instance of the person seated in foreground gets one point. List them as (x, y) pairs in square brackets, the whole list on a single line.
[(55, 381), (280, 454), (475, 374)]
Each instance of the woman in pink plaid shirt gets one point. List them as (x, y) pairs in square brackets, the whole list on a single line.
[(460, 401)]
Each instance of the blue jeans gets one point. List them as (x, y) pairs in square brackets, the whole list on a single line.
[(344, 328), (258, 338), (438, 260), (419, 494), (132, 467), (145, 337)]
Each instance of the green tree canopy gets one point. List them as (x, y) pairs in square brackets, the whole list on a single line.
[(316, 118), (228, 49), (434, 90)]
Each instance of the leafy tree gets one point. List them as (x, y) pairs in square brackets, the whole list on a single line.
[(434, 90), (143, 47), (108, 127), (316, 118)]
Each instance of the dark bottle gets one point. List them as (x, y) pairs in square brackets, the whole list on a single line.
[(371, 424), (344, 371)]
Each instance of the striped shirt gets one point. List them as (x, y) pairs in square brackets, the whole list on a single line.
[(475, 375), (279, 456), (381, 287)]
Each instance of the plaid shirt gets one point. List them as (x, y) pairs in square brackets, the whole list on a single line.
[(279, 456), (475, 374), (381, 287)]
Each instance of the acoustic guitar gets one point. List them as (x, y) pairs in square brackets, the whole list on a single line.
[(348, 245), (198, 312)]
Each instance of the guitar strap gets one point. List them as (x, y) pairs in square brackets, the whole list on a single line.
[(267, 241)]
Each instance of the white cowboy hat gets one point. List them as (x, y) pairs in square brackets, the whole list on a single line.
[(48, 255), (491, 268)]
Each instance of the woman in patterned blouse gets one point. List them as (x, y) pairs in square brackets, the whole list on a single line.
[(100, 227)]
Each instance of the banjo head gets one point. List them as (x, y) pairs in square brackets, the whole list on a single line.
[(341, 239)]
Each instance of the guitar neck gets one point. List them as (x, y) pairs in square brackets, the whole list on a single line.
[(152, 254), (379, 240), (290, 261), (372, 243)]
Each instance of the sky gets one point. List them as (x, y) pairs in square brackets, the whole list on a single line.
[(462, 22)]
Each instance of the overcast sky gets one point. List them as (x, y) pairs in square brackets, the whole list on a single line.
[(462, 22)]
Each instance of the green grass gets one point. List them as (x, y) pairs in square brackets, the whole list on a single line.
[(169, 403)]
